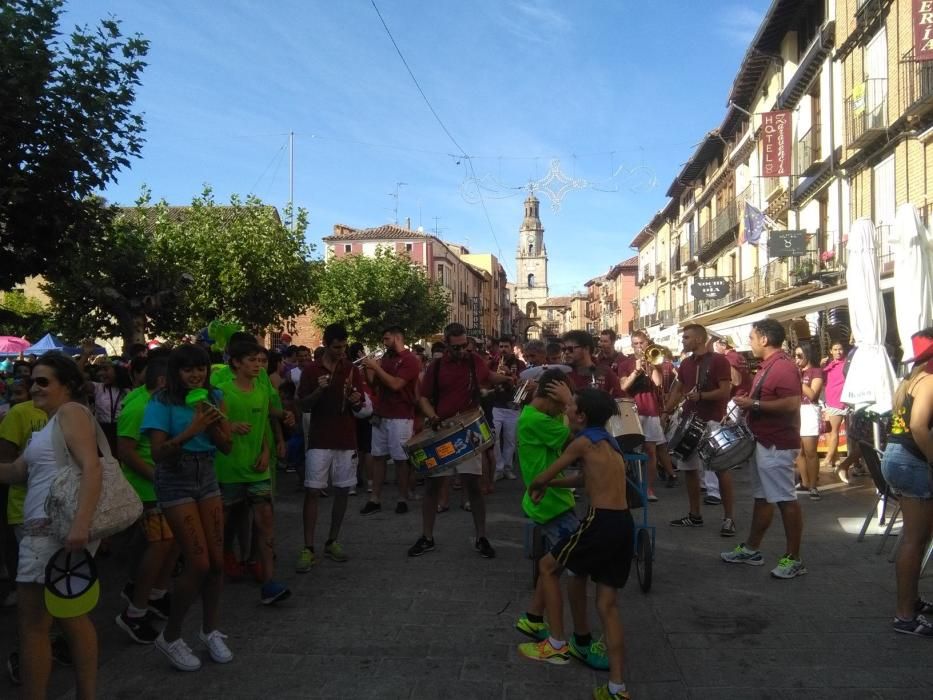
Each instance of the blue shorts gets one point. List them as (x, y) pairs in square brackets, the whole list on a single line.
[(189, 480), (907, 474), (556, 529)]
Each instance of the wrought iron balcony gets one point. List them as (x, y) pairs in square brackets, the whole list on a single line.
[(716, 233), (916, 85), (807, 151), (867, 113)]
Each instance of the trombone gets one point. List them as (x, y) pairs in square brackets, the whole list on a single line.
[(656, 354)]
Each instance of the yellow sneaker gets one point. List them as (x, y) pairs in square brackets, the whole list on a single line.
[(543, 651)]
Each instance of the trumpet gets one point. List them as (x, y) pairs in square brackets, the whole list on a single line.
[(375, 355)]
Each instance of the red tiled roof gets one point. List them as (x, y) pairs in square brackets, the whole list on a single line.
[(556, 301), (387, 231)]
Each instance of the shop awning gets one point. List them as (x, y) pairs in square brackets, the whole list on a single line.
[(784, 309)]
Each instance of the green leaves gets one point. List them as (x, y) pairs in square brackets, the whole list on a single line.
[(367, 294), (66, 128), (168, 271)]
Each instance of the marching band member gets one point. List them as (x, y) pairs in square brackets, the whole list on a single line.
[(451, 385), (577, 348), (705, 383), (607, 355)]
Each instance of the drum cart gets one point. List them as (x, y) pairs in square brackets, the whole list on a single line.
[(635, 476)]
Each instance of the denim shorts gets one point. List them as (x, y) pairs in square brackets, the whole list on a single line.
[(906, 474), (558, 528), (189, 480)]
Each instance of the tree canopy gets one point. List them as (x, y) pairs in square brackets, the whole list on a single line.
[(168, 271), (67, 126), (367, 294)]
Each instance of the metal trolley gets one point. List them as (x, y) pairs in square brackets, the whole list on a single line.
[(637, 487)]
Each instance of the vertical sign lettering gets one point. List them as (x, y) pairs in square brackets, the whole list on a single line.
[(923, 30), (776, 146)]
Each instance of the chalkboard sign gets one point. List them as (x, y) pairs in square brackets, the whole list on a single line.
[(786, 244), (707, 288)]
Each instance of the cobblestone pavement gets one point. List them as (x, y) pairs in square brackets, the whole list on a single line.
[(386, 626)]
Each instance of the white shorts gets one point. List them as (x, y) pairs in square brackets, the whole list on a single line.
[(694, 463), (809, 420), (34, 554), (471, 465), (651, 425), (389, 436), (773, 474), (338, 464)]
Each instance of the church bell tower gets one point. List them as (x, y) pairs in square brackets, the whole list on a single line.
[(531, 287)]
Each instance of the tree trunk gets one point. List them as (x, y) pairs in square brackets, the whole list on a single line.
[(133, 329)]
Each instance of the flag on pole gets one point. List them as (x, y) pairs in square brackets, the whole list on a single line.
[(753, 226)]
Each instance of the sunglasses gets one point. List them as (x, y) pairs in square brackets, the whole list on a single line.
[(457, 346), (41, 381)]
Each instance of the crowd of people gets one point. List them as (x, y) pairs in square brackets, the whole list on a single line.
[(203, 437)]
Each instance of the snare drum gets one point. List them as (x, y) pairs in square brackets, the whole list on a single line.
[(727, 446), (684, 435), (459, 437), (625, 426)]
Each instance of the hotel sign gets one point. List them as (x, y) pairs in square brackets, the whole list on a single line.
[(923, 30), (776, 143)]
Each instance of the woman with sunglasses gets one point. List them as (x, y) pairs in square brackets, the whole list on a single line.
[(186, 426), (811, 381), (57, 389)]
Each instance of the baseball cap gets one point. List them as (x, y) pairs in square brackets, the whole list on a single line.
[(72, 588)]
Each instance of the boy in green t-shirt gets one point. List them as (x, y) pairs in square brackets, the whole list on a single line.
[(542, 436), (243, 474), (147, 595)]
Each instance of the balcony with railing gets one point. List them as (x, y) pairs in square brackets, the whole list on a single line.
[(771, 186), (666, 317), (716, 233), (807, 151), (916, 85), (867, 113)]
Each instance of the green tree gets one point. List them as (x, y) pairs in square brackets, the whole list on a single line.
[(24, 316), (66, 128), (367, 294), (162, 270)]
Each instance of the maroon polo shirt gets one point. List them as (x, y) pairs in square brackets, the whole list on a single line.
[(606, 380), (456, 392), (646, 400), (397, 404), (738, 363), (779, 430), (609, 361), (333, 426), (806, 377), (718, 370)]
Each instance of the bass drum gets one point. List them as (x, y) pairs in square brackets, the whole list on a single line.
[(684, 435), (625, 426)]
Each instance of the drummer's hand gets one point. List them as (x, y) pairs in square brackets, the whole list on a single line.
[(434, 422), (743, 402)]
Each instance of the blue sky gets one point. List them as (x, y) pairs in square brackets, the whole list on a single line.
[(605, 86)]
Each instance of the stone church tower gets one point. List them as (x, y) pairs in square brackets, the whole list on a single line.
[(531, 289)]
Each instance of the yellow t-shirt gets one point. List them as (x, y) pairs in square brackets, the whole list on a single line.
[(17, 427)]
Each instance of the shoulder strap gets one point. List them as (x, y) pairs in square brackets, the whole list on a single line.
[(63, 455), (756, 394), (703, 371)]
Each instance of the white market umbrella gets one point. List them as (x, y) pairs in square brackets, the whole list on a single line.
[(871, 377), (913, 274)]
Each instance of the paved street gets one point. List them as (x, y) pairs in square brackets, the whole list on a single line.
[(386, 626)]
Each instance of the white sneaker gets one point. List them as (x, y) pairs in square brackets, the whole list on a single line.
[(509, 474), (219, 651), (178, 653), (499, 475)]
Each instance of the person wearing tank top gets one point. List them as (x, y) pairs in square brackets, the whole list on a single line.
[(57, 383), (908, 468)]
